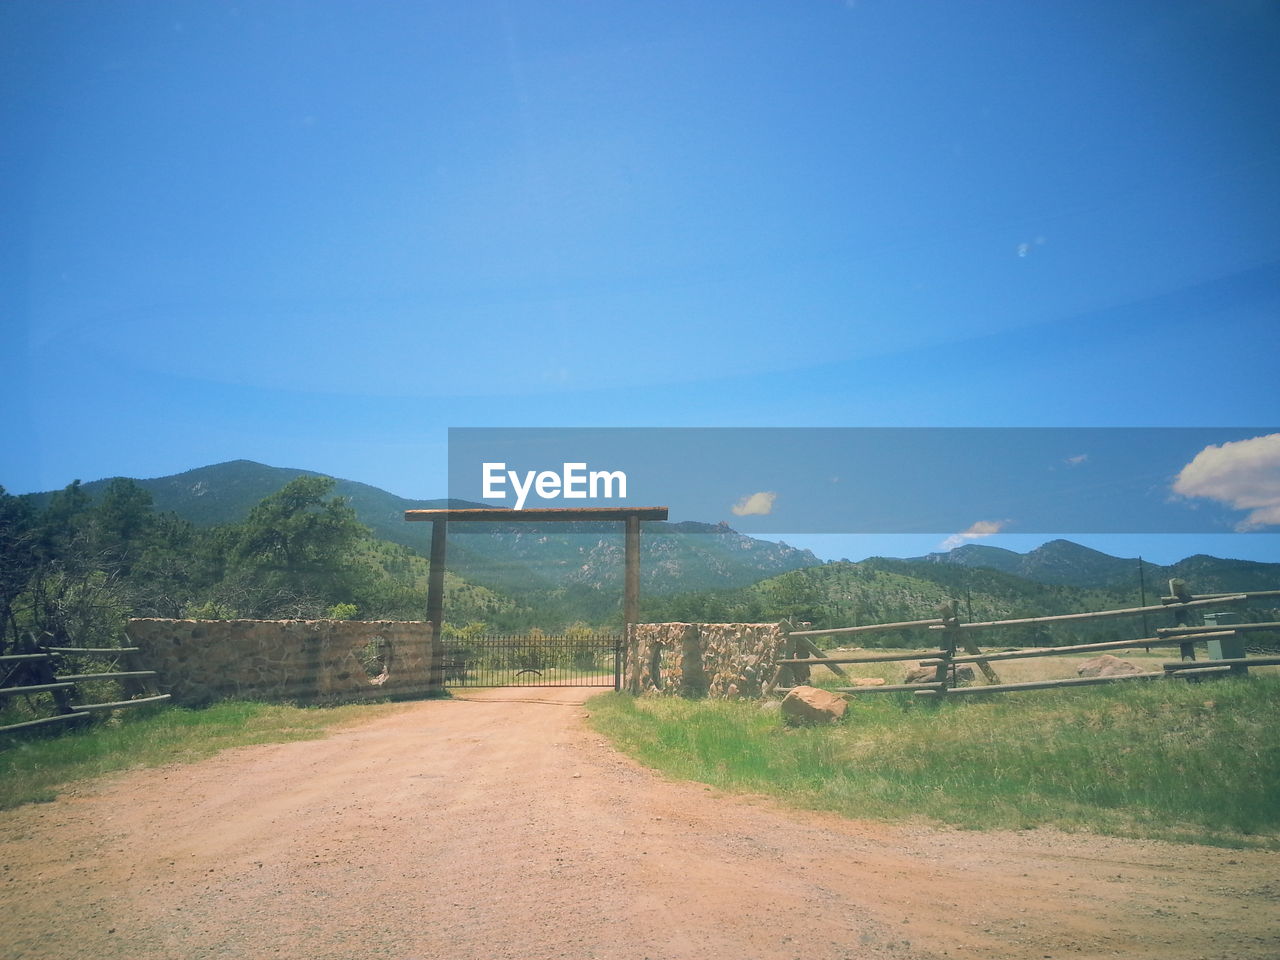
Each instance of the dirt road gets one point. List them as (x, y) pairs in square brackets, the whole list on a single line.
[(498, 826)]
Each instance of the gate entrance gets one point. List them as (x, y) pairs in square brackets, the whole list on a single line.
[(631, 518), (534, 661)]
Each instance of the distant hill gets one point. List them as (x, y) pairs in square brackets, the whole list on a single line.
[(575, 564), (705, 571), (226, 492), (887, 590), (1064, 563)]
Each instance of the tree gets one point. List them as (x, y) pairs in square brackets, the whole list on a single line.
[(123, 521), (296, 553), (19, 560), (74, 595)]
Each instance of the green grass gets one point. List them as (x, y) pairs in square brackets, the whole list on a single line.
[(36, 770), (1193, 762)]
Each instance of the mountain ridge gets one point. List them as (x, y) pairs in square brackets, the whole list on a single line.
[(1069, 564), (582, 561), (582, 558)]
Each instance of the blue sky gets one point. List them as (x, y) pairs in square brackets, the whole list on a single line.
[(320, 234)]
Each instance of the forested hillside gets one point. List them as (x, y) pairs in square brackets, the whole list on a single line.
[(884, 590), (73, 570), (75, 563), (575, 568)]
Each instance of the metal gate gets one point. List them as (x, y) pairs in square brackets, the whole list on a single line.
[(535, 661)]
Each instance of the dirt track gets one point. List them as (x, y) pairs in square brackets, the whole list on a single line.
[(499, 826)]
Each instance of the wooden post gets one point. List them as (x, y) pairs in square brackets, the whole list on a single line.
[(631, 588), (800, 672), (986, 668), (814, 650), (950, 623), (1179, 593), (435, 604)]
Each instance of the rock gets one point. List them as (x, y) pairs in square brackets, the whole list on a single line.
[(811, 705), (1106, 665), (963, 675), (868, 681)]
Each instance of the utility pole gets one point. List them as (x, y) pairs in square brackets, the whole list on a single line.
[(1142, 592)]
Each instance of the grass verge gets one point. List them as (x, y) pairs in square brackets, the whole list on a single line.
[(1192, 762), (35, 770)]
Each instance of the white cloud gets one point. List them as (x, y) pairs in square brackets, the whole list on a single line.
[(755, 504), (983, 528), (1076, 460), (1243, 474), (1025, 248)]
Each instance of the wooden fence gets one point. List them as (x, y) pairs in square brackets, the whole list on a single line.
[(53, 670), (957, 646)]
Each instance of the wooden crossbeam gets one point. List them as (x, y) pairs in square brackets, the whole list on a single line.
[(1094, 615), (537, 514)]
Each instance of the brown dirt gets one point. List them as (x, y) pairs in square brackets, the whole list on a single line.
[(498, 825)]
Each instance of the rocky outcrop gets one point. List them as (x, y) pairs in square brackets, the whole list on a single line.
[(1105, 665), (812, 705), (964, 675)]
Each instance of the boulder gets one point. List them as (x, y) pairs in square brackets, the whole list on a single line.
[(811, 705), (964, 675), (1106, 665)]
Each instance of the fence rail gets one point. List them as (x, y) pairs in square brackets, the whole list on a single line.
[(1092, 614), (869, 628), (958, 636), (1173, 640), (47, 666)]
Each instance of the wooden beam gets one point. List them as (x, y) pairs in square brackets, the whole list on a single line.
[(773, 681), (1242, 593), (92, 649), (117, 705), (1201, 631), (108, 676), (979, 658), (631, 573), (1093, 615), (435, 603), (1043, 684), (868, 628), (1235, 662), (884, 688), (822, 656), (1080, 648), (42, 721), (950, 619), (882, 658), (1197, 669), (34, 688), (538, 514), (892, 687)]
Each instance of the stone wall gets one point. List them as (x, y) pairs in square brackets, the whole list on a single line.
[(723, 660), (305, 661)]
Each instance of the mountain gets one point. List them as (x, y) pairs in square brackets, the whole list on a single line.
[(1064, 563), (577, 564), (226, 492), (886, 590), (1058, 562)]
